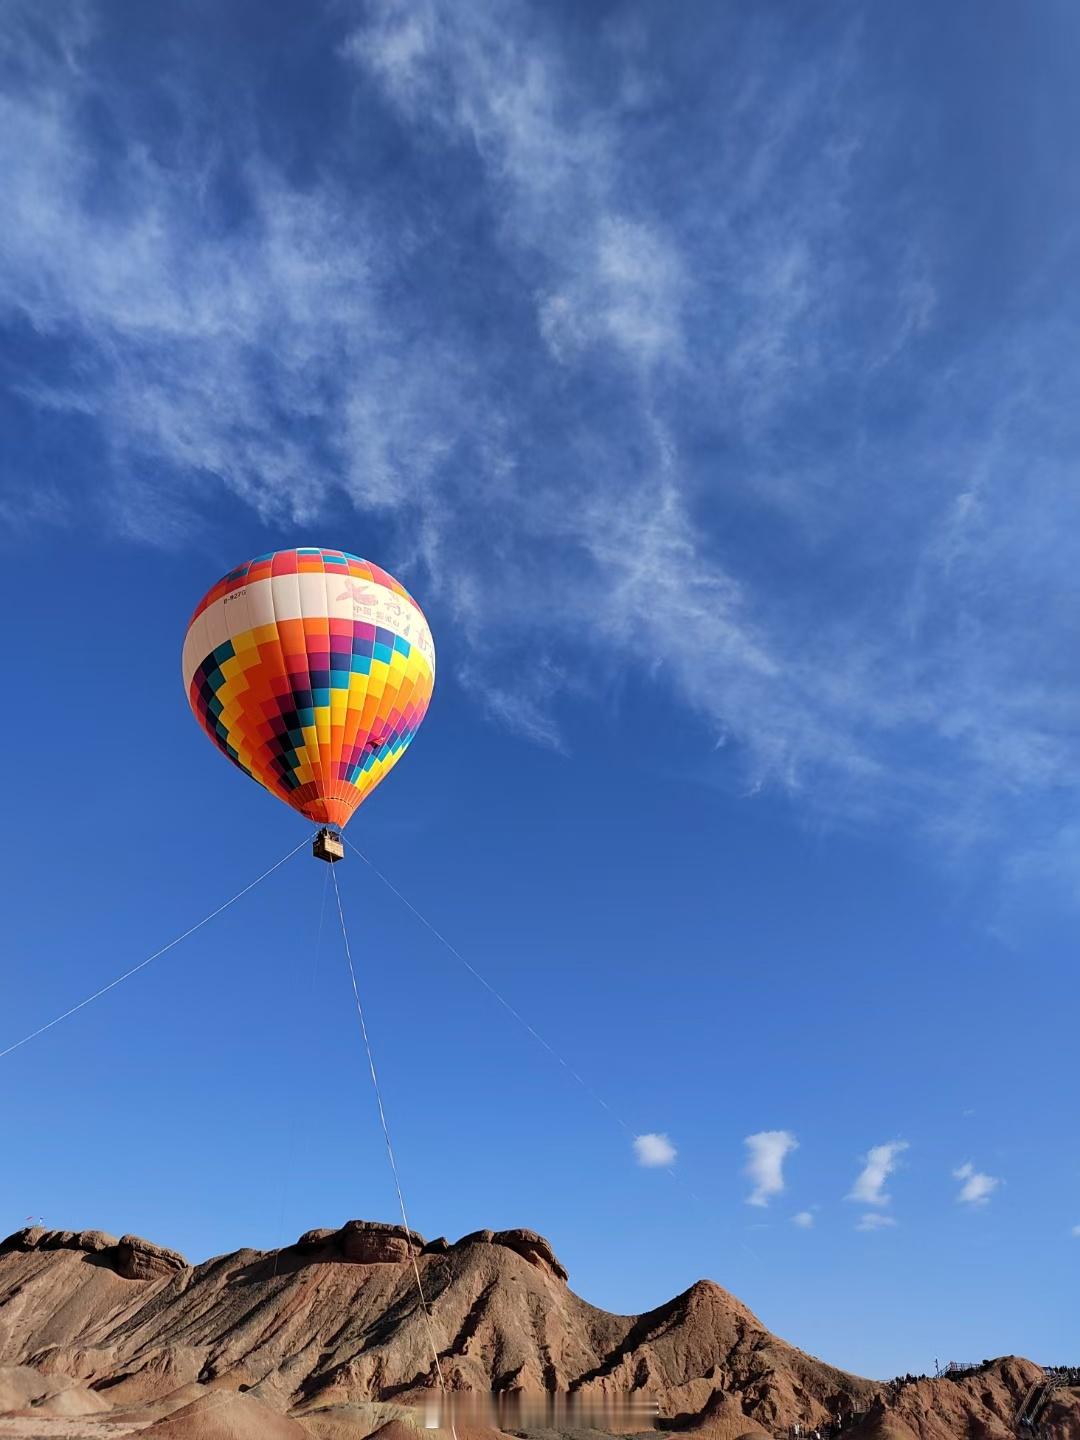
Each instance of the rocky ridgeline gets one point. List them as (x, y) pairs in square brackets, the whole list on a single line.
[(371, 1242), (326, 1339), (130, 1256), (357, 1242)]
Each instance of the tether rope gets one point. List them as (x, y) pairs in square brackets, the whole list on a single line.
[(390, 1150), (291, 1142), (599, 1099), (584, 1084), (155, 956)]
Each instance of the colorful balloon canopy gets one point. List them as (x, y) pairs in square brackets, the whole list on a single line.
[(312, 670)]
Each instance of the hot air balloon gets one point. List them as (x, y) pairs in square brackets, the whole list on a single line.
[(311, 670)]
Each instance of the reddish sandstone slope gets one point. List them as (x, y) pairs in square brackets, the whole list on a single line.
[(335, 1318), (979, 1406), (329, 1332)]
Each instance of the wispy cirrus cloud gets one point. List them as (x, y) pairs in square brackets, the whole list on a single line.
[(258, 358), (621, 282), (579, 374)]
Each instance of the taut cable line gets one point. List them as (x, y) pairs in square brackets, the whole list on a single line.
[(150, 958), (565, 1064), (599, 1099), (390, 1150), (290, 1144)]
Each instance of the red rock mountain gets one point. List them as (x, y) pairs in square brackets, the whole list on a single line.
[(327, 1338)]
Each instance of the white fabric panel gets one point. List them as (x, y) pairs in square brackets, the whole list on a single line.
[(285, 590), (312, 596), (279, 598), (192, 650), (261, 604), (339, 595)]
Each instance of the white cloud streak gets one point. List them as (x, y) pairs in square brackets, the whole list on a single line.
[(803, 1220), (720, 310), (617, 280), (766, 1153), (874, 1220), (233, 357), (881, 1161)]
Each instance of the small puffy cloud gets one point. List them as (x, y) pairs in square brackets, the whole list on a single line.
[(765, 1163), (881, 1160), (977, 1187), (1076, 1231), (804, 1220), (873, 1220), (654, 1150)]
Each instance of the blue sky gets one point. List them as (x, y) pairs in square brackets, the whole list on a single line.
[(709, 374)]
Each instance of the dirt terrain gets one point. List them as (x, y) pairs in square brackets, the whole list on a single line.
[(326, 1338)]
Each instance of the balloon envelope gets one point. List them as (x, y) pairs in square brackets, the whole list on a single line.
[(311, 670)]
